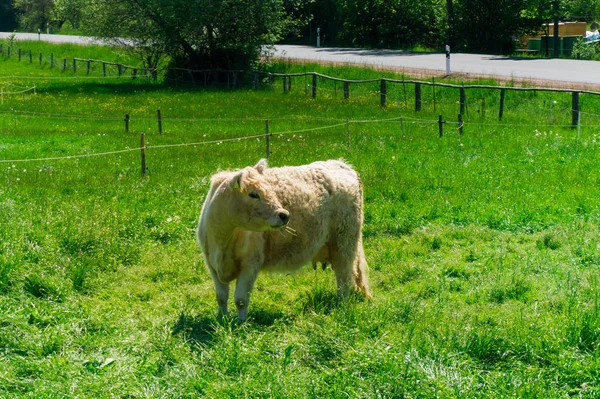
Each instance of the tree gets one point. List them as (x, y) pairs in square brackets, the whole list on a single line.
[(491, 26), (34, 14), (196, 34), (68, 11), (7, 16)]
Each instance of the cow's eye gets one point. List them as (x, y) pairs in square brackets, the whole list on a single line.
[(254, 195)]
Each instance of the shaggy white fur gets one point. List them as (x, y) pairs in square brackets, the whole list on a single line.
[(261, 218)]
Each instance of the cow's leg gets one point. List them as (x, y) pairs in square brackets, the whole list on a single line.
[(222, 291), (342, 255), (244, 285)]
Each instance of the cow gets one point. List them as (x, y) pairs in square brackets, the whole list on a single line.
[(261, 218)]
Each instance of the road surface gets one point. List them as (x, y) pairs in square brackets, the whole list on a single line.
[(569, 72), (558, 70)]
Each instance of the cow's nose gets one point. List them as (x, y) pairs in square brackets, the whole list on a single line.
[(284, 217)]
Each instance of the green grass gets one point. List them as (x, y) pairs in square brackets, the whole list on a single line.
[(483, 248)]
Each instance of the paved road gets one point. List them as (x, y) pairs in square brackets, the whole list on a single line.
[(560, 70), (51, 38)]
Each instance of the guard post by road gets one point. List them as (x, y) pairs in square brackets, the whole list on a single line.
[(447, 60)]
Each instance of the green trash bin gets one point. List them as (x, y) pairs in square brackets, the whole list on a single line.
[(534, 44), (550, 41), (568, 43)]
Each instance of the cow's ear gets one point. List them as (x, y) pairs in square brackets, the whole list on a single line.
[(261, 166), (236, 182)]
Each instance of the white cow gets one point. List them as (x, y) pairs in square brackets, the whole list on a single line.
[(261, 218)]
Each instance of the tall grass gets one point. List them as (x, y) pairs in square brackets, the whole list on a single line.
[(482, 247)]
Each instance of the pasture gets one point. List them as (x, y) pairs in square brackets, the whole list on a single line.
[(483, 248)]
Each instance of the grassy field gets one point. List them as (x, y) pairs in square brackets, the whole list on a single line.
[(483, 248)]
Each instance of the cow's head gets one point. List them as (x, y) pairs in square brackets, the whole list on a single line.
[(252, 203)]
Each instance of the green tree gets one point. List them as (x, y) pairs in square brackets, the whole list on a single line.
[(68, 11), (196, 34), (34, 14), (490, 26), (7, 16)]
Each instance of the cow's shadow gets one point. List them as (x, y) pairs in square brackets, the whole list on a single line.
[(205, 331)]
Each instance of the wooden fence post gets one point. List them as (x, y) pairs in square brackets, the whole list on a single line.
[(126, 123), (159, 121), (314, 85), (346, 90), (402, 126), (143, 153), (51, 60), (501, 112), (433, 89), (417, 97), (267, 147), (383, 92), (104, 68), (441, 126), (89, 66), (460, 124), (348, 131), (284, 84), (483, 107), (289, 89), (575, 109), (30, 57), (462, 100), (74, 65)]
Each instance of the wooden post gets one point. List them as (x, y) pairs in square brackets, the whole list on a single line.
[(314, 85), (284, 84), (348, 131), (289, 84), (143, 153), (126, 123), (417, 97), (441, 126), (30, 57), (159, 121), (134, 74), (404, 90), (120, 68), (575, 109), (382, 92), (104, 68), (51, 60), (346, 89), (267, 148), (460, 124), (74, 65), (433, 89), (402, 126), (483, 107), (64, 64), (462, 100), (501, 112), (89, 66)]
